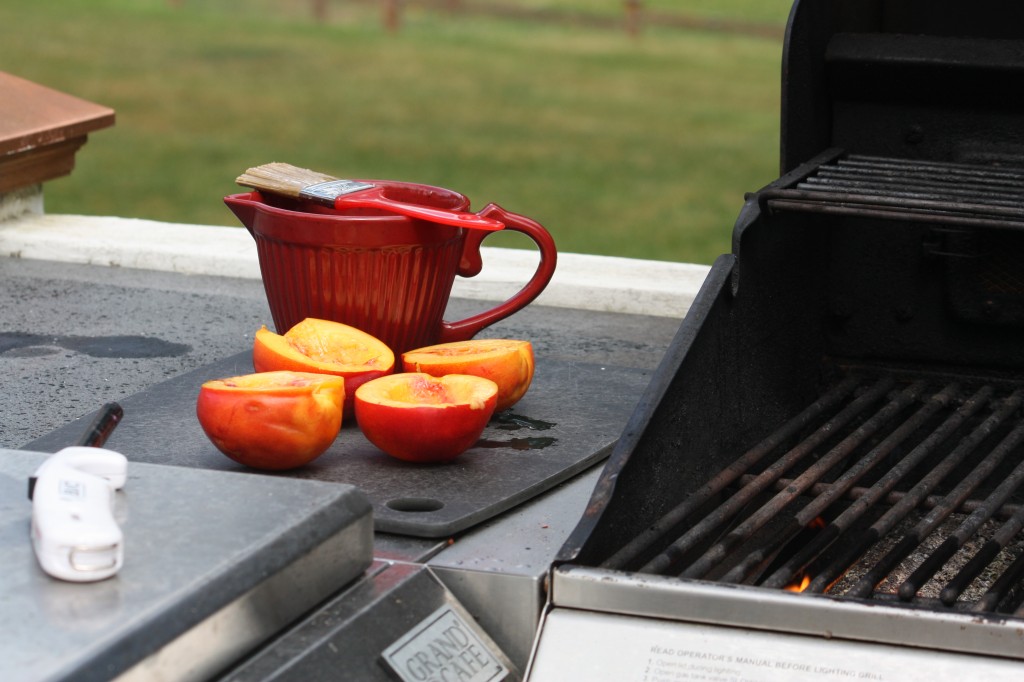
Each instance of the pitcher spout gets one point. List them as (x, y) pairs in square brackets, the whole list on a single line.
[(244, 207)]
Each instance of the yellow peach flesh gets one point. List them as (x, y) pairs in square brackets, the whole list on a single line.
[(507, 362), (421, 389), (328, 345), (273, 381)]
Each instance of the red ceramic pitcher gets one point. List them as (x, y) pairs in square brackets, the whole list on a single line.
[(386, 274)]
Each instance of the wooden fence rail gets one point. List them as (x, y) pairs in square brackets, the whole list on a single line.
[(634, 17), (391, 12)]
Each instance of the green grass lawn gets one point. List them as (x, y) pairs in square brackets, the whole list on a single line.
[(639, 148)]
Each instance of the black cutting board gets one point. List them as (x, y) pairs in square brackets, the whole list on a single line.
[(569, 419)]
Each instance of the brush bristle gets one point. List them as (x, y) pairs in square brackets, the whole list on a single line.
[(281, 178)]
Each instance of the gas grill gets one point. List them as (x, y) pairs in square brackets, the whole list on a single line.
[(825, 477)]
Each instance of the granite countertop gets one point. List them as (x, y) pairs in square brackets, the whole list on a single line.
[(74, 336)]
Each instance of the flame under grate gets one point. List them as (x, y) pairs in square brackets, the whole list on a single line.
[(883, 488)]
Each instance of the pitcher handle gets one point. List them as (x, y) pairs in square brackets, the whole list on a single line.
[(471, 264)]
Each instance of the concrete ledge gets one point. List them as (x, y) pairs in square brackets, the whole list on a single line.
[(131, 243), (585, 282)]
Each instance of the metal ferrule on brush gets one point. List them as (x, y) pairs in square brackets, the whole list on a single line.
[(327, 192)]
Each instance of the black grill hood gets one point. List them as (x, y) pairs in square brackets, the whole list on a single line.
[(914, 79)]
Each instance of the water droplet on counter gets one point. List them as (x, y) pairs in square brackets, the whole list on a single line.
[(512, 422), (18, 344), (123, 346), (535, 443)]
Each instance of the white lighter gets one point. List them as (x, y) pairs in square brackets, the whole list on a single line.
[(74, 533)]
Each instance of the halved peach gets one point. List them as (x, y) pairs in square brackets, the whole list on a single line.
[(272, 420), (420, 418), (324, 347), (507, 362)]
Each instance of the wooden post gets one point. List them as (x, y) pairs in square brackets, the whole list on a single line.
[(392, 12), (634, 9), (320, 11)]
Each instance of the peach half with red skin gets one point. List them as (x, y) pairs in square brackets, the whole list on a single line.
[(507, 362), (324, 347), (419, 418), (272, 420)]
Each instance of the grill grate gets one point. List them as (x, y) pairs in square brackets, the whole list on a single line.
[(939, 192), (886, 488)]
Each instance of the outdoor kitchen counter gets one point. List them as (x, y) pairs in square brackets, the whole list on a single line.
[(99, 310), (76, 336)]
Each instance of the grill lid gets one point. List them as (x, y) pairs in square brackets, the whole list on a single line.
[(912, 79)]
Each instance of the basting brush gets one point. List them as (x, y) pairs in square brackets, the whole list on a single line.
[(299, 183)]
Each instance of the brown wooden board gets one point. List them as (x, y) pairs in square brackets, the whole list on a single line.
[(41, 129), (32, 115)]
